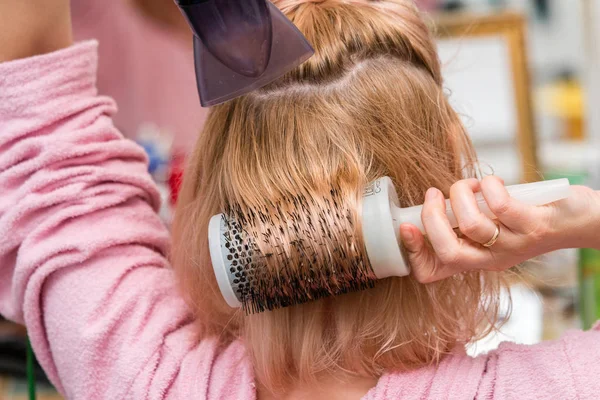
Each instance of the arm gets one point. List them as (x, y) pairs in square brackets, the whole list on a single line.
[(82, 254), (524, 231), (33, 27), (566, 368)]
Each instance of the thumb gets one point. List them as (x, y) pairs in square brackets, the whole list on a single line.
[(418, 253)]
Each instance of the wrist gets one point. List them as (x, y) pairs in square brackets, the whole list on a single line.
[(594, 221), (575, 222)]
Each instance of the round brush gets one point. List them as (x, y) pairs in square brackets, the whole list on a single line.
[(283, 254)]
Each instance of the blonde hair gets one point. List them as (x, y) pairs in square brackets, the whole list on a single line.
[(369, 103)]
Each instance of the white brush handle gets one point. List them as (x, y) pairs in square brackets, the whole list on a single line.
[(535, 194)]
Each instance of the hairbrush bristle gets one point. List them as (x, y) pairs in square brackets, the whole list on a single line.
[(294, 250)]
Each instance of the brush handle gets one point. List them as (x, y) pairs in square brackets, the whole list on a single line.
[(535, 194)]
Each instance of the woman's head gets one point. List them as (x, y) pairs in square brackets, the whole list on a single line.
[(369, 103)]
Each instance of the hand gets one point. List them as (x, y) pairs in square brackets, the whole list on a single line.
[(31, 27), (525, 231)]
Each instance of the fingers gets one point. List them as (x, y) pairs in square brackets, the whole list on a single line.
[(419, 255), (439, 231), (451, 252), (425, 264), (447, 254), (471, 221), (512, 213)]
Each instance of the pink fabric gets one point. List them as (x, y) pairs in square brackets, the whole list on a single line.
[(82, 263), (145, 67)]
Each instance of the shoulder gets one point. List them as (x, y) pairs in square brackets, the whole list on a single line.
[(457, 376), (567, 369)]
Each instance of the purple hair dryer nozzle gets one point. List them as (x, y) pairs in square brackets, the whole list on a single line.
[(240, 46)]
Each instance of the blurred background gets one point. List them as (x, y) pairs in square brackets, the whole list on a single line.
[(523, 74)]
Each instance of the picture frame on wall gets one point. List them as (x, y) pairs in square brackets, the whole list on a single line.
[(486, 76)]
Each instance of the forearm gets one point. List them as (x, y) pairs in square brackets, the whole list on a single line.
[(82, 254), (31, 27)]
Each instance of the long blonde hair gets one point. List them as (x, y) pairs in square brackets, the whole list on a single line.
[(369, 103)]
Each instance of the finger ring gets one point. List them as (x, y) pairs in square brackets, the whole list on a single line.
[(494, 238)]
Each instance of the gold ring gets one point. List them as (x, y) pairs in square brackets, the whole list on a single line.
[(494, 238)]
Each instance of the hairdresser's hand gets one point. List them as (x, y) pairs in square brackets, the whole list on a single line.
[(525, 231), (31, 27)]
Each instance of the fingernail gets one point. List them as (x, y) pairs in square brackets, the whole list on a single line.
[(407, 234), (430, 194)]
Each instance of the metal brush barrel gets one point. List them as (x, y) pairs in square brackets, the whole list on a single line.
[(290, 251), (232, 266)]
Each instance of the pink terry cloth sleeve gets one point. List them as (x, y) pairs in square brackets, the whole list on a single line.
[(561, 369), (82, 251), (568, 368), (582, 350)]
